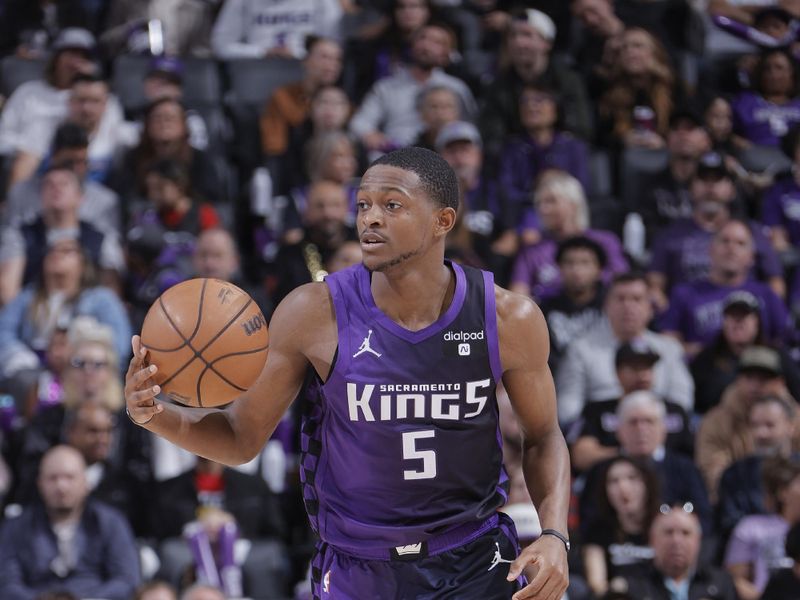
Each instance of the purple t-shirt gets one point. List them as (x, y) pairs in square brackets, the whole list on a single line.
[(782, 207), (695, 310), (536, 265), (761, 121), (523, 160), (681, 252), (759, 540)]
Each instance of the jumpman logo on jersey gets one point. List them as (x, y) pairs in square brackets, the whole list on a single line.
[(497, 558), (365, 347)]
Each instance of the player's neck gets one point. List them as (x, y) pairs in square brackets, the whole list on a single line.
[(414, 297)]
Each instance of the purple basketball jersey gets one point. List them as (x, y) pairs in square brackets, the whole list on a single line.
[(402, 440)]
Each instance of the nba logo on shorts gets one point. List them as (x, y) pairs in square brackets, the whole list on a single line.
[(463, 349)]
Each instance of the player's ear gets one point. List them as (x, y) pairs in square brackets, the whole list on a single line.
[(445, 220)]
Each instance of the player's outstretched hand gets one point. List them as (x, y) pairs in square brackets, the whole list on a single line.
[(140, 389), (549, 557)]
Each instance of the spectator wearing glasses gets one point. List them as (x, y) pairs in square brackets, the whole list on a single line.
[(676, 570)]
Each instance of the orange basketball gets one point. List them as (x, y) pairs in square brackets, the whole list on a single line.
[(208, 339)]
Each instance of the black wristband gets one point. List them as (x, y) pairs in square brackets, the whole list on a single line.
[(135, 422), (559, 535)]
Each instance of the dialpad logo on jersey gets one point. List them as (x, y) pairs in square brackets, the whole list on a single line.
[(464, 343)]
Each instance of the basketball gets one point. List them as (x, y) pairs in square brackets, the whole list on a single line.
[(208, 339)]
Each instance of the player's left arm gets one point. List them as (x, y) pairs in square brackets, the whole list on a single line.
[(524, 349)]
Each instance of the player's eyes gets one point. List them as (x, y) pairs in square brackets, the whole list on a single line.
[(362, 205), (393, 205)]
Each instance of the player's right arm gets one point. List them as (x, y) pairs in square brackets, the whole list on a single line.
[(302, 332)]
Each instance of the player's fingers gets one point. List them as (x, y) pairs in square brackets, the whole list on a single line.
[(145, 397), (548, 584), (519, 564)]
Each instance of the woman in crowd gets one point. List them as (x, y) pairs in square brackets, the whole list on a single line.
[(166, 137), (628, 500), (65, 289), (543, 146), (766, 113), (641, 92), (562, 212)]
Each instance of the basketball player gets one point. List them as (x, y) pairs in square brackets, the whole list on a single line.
[(402, 468)]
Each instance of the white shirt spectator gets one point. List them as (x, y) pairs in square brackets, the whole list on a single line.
[(251, 28), (30, 116), (391, 105), (587, 372)]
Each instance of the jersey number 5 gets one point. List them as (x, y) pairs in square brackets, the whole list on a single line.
[(410, 452)]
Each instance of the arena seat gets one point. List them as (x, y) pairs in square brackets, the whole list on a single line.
[(16, 71)]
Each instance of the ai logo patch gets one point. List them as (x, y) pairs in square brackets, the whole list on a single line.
[(464, 349)]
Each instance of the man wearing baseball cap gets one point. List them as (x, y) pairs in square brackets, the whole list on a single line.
[(34, 110), (486, 212)]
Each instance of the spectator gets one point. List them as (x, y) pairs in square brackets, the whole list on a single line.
[(562, 212), (771, 421), (714, 368), (325, 229), (22, 247), (216, 256), (164, 80), (213, 504), (36, 107), (526, 58), (781, 204), (69, 542), (765, 114), (387, 48), (438, 105), (756, 547), (99, 114), (64, 289), (665, 195), (724, 435), (289, 105), (388, 116), (695, 309), (29, 28), (676, 570), (579, 304), (718, 120), (541, 146), (165, 137), (635, 107), (783, 583), (642, 433), (599, 25), (586, 374), (347, 255), (171, 202), (628, 498), (681, 251), (593, 437), (259, 28), (99, 207), (485, 211)]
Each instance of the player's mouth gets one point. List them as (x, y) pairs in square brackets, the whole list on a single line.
[(371, 241)]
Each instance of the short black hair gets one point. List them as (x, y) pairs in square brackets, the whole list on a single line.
[(69, 135), (88, 78), (583, 243), (436, 176), (627, 277)]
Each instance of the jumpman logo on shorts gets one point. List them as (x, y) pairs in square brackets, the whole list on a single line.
[(497, 558), (366, 348)]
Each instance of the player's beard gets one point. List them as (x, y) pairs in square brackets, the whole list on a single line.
[(393, 262)]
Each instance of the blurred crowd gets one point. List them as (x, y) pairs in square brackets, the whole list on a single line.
[(631, 165)]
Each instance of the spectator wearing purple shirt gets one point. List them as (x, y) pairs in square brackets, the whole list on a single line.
[(780, 210), (681, 251), (542, 146), (766, 113), (563, 212), (695, 310)]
